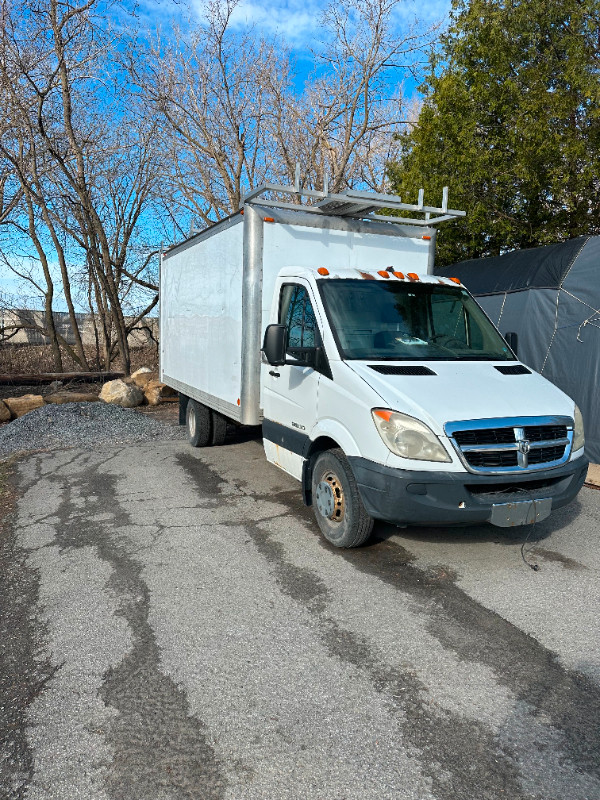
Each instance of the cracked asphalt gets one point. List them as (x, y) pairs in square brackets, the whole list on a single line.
[(173, 626)]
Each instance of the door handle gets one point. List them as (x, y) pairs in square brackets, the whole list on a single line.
[(274, 373)]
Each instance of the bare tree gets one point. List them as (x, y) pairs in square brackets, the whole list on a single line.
[(213, 91), (231, 115), (342, 125), (85, 161)]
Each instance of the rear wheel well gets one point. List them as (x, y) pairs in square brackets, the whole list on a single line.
[(318, 446)]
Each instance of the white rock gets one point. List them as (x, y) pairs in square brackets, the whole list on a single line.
[(121, 394)]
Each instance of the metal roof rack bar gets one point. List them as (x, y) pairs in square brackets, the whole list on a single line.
[(354, 204)]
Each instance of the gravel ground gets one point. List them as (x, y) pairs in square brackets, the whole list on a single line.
[(78, 424)]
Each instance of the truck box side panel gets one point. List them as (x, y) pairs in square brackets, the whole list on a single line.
[(201, 315)]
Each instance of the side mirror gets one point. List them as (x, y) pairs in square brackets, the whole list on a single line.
[(512, 340), (274, 345)]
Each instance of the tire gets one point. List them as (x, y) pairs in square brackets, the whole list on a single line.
[(198, 424), (338, 508), (219, 428)]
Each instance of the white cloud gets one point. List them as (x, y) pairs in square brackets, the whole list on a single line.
[(295, 21), (298, 21)]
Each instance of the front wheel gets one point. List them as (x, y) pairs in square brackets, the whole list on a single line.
[(338, 508)]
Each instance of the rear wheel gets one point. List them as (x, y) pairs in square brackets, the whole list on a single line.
[(338, 508), (198, 423), (219, 428)]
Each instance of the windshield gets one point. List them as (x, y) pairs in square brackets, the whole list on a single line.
[(409, 321)]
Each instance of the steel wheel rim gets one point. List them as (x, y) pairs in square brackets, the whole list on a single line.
[(192, 423), (330, 497)]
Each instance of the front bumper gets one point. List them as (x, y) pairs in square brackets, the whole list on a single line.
[(408, 497)]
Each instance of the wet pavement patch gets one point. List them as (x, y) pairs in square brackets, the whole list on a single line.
[(206, 481), (476, 634), (22, 676), (161, 750)]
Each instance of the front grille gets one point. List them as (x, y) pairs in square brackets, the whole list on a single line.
[(541, 455), (544, 433), (490, 458), (509, 458), (485, 436), (533, 433), (511, 444)]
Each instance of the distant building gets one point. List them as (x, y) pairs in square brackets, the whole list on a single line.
[(146, 332)]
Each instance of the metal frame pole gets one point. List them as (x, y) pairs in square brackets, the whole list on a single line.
[(251, 316), (431, 252)]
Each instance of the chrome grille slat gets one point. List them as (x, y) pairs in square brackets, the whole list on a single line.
[(479, 447), (512, 444)]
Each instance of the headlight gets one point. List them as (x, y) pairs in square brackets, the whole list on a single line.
[(578, 437), (407, 437)]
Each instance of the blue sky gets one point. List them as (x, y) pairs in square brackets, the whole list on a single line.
[(296, 22)]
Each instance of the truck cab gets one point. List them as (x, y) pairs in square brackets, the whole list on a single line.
[(392, 396)]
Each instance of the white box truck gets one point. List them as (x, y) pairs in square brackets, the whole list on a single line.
[(383, 389)]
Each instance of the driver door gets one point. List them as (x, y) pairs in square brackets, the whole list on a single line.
[(290, 392)]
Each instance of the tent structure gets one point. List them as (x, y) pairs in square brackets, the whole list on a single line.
[(550, 297)]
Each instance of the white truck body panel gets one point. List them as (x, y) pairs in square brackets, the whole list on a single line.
[(202, 287), (201, 320)]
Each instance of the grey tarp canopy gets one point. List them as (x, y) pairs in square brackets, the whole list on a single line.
[(550, 296)]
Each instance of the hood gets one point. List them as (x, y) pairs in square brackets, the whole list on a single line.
[(464, 390)]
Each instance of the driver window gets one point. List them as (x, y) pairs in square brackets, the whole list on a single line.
[(296, 312)]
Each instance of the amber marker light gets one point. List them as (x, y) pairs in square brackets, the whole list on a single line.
[(455, 280), (412, 276), (269, 219), (384, 273), (399, 275), (427, 238), (381, 412), (323, 271), (238, 401)]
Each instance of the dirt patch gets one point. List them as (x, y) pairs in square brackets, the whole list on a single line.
[(165, 412), (593, 476)]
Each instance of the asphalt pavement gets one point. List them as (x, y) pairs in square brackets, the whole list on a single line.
[(175, 627)]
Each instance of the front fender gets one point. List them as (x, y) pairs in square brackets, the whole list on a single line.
[(332, 429)]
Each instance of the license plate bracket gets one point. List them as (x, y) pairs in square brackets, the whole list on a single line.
[(522, 512)]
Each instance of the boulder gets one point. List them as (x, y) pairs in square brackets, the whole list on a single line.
[(121, 394), (142, 379), (18, 406), (71, 397), (157, 392), (4, 412)]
